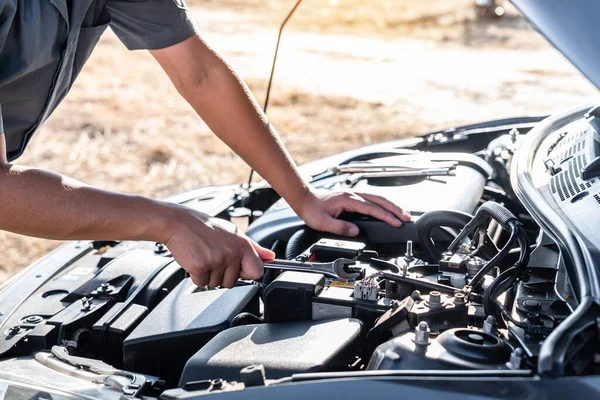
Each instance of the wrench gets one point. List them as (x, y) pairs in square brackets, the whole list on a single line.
[(336, 269)]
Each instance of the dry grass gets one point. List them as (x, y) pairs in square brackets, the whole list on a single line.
[(351, 73)]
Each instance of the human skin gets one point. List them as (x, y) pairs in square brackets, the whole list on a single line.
[(40, 203)]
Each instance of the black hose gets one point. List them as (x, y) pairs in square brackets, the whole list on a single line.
[(502, 176), (487, 268), (488, 210), (506, 279), (506, 314), (299, 241), (499, 286), (80, 341), (435, 219)]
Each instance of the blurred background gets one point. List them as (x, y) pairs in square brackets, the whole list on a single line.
[(351, 72)]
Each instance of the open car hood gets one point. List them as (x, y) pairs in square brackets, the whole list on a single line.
[(570, 26)]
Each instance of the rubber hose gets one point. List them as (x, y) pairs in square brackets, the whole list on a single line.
[(299, 241), (505, 280), (489, 209), (514, 235), (435, 219)]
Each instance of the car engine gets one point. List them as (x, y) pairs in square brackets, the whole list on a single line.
[(471, 283)]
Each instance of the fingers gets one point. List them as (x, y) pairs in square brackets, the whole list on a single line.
[(200, 279), (357, 204), (263, 253), (216, 277), (230, 277), (387, 205), (252, 265), (340, 227)]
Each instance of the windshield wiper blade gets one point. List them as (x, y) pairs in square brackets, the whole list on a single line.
[(408, 166), (425, 172)]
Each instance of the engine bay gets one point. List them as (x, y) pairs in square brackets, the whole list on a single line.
[(471, 283)]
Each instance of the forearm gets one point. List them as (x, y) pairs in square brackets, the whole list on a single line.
[(42, 204), (225, 103), (247, 131)]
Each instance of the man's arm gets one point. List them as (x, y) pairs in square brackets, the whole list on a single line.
[(43, 204), (225, 103)]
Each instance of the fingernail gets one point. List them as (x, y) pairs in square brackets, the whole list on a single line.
[(397, 221), (353, 231)]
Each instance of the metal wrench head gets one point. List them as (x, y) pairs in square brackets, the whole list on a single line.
[(340, 268)]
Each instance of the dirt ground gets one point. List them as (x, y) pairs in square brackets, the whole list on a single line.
[(350, 73)]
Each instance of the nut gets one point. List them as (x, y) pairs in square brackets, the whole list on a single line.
[(435, 298), (459, 299), (14, 330)]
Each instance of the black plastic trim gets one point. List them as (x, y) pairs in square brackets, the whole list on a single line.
[(551, 357)]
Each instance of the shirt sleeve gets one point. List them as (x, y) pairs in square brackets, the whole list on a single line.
[(151, 24)]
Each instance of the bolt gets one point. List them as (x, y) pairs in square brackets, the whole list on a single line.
[(394, 304), (532, 304), (33, 319), (405, 269), (217, 383), (105, 287), (86, 304), (516, 359), (422, 334), (514, 133), (253, 375), (489, 325), (160, 248), (408, 256), (459, 299), (14, 330), (435, 298), (416, 295), (534, 319)]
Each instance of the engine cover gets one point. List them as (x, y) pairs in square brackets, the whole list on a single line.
[(283, 348), (460, 191)]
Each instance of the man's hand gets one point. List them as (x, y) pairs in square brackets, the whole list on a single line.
[(213, 251), (320, 210)]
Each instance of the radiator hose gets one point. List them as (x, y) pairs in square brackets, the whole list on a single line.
[(436, 219)]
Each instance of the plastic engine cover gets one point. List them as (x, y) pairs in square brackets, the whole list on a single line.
[(283, 348), (460, 191), (181, 324)]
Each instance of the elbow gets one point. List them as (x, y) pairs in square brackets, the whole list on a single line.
[(6, 169)]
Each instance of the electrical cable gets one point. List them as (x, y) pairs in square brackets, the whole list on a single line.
[(506, 279)]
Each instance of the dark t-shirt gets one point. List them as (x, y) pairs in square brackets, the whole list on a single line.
[(45, 43)]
